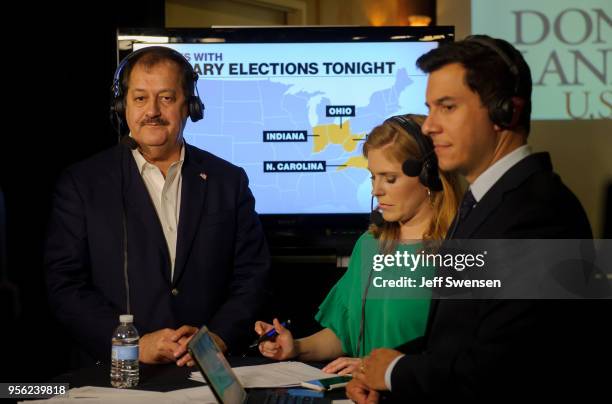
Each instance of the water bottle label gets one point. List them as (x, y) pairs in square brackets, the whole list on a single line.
[(122, 353)]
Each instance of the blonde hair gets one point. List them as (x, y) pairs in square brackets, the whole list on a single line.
[(404, 146)]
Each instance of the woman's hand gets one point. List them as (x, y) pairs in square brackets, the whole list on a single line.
[(281, 347)]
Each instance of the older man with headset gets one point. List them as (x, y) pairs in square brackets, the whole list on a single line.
[(155, 227)]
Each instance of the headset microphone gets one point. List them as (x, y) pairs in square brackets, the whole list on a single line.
[(375, 216), (129, 142)]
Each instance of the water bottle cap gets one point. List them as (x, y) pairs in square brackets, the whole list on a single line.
[(126, 318)]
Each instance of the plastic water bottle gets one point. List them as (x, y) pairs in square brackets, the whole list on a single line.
[(124, 358)]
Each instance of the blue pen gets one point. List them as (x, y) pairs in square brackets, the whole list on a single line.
[(269, 335)]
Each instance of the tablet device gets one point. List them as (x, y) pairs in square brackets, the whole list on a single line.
[(223, 381)]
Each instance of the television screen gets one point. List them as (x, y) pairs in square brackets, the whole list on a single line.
[(292, 106)]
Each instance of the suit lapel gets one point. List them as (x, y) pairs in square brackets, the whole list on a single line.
[(193, 196), (140, 207), (512, 179)]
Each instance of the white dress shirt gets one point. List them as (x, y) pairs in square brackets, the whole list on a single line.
[(491, 175), (166, 196), (479, 188)]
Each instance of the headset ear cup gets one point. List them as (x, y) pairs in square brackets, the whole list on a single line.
[(120, 107), (412, 167), (518, 104), (506, 110), (435, 183), (118, 112), (121, 111), (424, 178), (430, 176), (196, 108), (502, 113)]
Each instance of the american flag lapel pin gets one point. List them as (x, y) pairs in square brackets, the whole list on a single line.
[(204, 176)]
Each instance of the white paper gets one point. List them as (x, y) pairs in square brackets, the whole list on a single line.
[(99, 395), (280, 374), (200, 395)]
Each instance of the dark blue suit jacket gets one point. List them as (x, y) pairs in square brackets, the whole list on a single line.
[(477, 350), (222, 260)]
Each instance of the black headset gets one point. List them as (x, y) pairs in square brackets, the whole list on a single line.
[(117, 104), (426, 168), (506, 110)]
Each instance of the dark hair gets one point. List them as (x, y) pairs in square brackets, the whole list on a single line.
[(154, 55), (487, 73)]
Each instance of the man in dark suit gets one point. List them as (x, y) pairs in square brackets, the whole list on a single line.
[(479, 99), (160, 226)]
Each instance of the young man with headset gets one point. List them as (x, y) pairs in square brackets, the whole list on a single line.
[(479, 100), (155, 227)]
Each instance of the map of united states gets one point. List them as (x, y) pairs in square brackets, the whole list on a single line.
[(275, 130)]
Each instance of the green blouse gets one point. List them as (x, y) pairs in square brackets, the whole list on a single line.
[(389, 322)]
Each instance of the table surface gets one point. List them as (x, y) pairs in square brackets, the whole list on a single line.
[(163, 378)]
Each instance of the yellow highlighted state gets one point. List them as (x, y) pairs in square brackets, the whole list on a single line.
[(334, 134), (356, 162)]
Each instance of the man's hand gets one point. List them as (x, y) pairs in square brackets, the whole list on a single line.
[(220, 343), (361, 393), (182, 336), (157, 347), (372, 372), (342, 366)]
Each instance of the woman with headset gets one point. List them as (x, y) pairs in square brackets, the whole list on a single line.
[(416, 203)]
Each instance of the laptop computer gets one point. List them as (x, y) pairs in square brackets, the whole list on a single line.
[(225, 384)]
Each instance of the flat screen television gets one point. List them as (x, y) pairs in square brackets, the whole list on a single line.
[(293, 105)]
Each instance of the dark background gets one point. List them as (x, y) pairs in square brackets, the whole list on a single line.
[(58, 71)]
